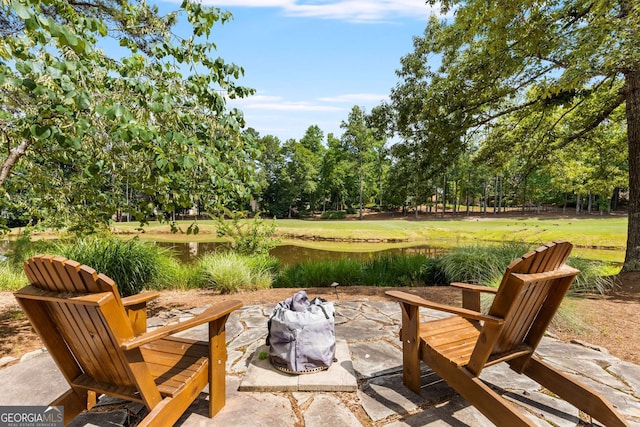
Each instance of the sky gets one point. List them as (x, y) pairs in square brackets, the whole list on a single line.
[(311, 61)]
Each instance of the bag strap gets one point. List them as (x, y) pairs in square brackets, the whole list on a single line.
[(318, 301), (268, 341)]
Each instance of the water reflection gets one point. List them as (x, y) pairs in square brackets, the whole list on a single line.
[(292, 254)]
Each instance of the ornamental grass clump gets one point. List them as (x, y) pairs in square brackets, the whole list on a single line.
[(481, 264), (385, 270), (132, 264), (229, 272), (11, 278), (395, 270), (591, 278), (345, 271)]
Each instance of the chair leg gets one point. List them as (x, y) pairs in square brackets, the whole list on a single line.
[(410, 347), (217, 365), (74, 402), (477, 393), (579, 395), (170, 409)]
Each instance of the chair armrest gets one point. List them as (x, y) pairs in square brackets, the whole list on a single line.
[(476, 288), (142, 297), (212, 314), (421, 302), (136, 308), (471, 294)]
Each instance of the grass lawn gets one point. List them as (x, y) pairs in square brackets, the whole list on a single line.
[(596, 237), (592, 232)]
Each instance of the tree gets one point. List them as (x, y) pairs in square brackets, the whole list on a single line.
[(85, 130), (498, 59), (335, 173), (359, 142)]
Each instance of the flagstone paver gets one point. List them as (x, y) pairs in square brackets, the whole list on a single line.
[(370, 330)]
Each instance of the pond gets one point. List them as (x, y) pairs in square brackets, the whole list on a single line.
[(293, 254)]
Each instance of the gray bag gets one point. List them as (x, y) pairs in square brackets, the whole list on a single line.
[(301, 336)]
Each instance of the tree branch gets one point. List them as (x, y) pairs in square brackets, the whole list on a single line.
[(12, 158), (604, 114)]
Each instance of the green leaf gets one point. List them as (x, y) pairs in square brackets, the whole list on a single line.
[(156, 107), (21, 10), (161, 162), (29, 84), (125, 134), (119, 111), (40, 132), (187, 162), (66, 84), (146, 135), (24, 67), (68, 38), (83, 102)]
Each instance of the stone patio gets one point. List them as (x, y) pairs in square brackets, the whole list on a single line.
[(370, 357)]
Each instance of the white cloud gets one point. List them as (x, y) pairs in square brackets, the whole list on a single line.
[(347, 10), (276, 103), (292, 106), (355, 98)]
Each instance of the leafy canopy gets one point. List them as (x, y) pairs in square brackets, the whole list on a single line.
[(104, 109), (530, 79)]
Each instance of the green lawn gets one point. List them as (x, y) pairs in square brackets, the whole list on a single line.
[(590, 235), (609, 232)]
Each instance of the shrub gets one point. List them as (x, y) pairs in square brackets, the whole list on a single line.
[(230, 272), (248, 237), (333, 215), (394, 270), (132, 264), (486, 265)]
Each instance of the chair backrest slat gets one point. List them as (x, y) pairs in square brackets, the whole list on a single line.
[(91, 331), (38, 267), (526, 306), (68, 270)]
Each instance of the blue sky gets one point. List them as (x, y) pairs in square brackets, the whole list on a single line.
[(311, 61)]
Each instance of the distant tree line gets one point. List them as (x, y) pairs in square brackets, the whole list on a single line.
[(314, 175)]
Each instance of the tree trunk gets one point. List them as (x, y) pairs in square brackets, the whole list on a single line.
[(500, 195), (613, 203), (632, 94), (524, 194), (436, 211), (485, 198), (495, 199), (360, 200), (467, 201), (444, 194)]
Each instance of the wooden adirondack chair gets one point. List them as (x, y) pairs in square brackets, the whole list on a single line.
[(457, 348), (99, 342)]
